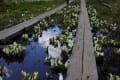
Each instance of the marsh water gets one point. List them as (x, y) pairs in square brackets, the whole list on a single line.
[(33, 59), (108, 63)]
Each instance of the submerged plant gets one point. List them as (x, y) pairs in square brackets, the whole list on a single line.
[(14, 49), (29, 76)]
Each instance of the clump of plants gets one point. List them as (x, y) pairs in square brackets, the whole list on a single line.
[(106, 47), (14, 49), (44, 24), (57, 65), (29, 76), (65, 32), (63, 39), (71, 19), (25, 37), (37, 29), (37, 32)]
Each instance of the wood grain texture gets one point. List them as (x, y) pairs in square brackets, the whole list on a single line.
[(83, 64)]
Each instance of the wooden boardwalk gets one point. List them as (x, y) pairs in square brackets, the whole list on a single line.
[(83, 65), (12, 32)]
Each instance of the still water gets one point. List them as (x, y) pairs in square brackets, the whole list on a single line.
[(33, 59)]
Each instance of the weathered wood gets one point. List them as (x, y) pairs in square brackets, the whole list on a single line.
[(89, 64), (75, 68), (12, 32), (83, 65)]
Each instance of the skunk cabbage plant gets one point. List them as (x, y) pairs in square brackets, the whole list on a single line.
[(58, 65), (14, 49)]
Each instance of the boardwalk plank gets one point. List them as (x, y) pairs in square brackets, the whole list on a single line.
[(89, 64), (75, 67), (83, 65)]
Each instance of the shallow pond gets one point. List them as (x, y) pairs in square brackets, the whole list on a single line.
[(33, 60)]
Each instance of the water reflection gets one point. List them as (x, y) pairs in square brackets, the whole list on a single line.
[(51, 32), (33, 61)]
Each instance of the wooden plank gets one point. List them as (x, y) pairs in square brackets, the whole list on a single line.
[(75, 67), (89, 64), (83, 65)]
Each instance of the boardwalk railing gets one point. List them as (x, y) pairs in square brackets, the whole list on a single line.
[(83, 65)]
